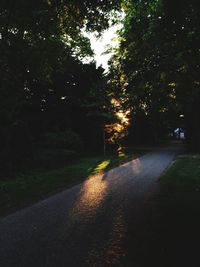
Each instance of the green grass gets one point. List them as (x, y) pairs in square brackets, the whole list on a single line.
[(178, 196), (177, 218), (180, 186), (27, 188)]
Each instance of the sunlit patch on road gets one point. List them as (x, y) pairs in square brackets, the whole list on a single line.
[(90, 198), (95, 189)]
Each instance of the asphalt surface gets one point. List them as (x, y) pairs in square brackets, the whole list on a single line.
[(88, 224)]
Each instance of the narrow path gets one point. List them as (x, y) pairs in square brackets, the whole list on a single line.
[(86, 225)]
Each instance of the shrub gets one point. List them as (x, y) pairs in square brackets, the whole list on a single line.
[(63, 140)]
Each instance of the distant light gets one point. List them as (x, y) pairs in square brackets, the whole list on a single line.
[(181, 116)]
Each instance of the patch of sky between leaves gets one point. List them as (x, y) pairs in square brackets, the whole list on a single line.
[(104, 45)]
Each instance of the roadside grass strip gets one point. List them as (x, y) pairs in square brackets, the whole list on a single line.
[(29, 187)]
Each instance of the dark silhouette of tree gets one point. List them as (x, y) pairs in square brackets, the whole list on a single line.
[(43, 83), (157, 64)]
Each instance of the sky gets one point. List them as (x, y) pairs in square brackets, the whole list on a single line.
[(108, 38)]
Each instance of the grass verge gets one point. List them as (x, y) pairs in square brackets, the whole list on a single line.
[(176, 230), (180, 186), (28, 188)]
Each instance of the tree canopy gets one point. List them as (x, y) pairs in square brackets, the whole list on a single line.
[(44, 85), (47, 90), (157, 63)]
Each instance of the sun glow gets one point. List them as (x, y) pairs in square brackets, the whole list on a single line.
[(123, 116), (118, 130)]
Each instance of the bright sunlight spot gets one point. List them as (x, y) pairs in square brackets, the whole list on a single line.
[(102, 166), (104, 46)]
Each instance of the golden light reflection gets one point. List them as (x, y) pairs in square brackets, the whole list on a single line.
[(122, 115), (113, 252), (118, 130), (91, 197)]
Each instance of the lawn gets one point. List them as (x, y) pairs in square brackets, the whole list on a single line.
[(180, 186), (174, 224), (29, 187)]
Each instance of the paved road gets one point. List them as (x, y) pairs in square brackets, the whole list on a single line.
[(86, 225)]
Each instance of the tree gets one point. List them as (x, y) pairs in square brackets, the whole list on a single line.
[(38, 40), (157, 62)]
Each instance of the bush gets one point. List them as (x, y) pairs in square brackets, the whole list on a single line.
[(63, 140), (53, 158)]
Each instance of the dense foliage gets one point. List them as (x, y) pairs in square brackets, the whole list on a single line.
[(44, 85), (47, 91), (156, 68)]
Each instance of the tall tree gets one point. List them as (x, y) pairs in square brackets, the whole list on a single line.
[(157, 62), (37, 38)]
